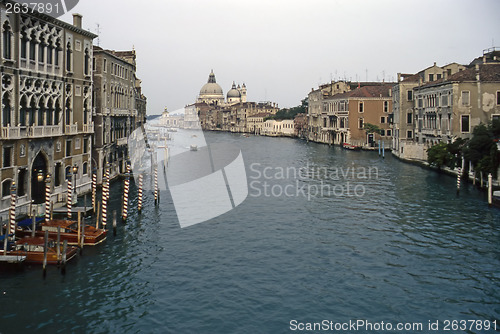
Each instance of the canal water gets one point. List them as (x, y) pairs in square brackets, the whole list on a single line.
[(324, 234)]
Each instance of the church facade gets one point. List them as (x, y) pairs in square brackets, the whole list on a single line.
[(212, 94), (228, 113)]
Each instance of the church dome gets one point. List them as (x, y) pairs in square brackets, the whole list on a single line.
[(211, 88), (233, 92)]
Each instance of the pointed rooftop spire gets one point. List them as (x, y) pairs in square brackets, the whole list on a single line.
[(211, 77)]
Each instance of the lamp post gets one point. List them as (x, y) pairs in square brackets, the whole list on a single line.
[(39, 176), (75, 171)]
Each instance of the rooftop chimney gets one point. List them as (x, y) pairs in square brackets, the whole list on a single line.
[(77, 20)]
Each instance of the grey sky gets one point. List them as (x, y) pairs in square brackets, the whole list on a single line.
[(282, 49)]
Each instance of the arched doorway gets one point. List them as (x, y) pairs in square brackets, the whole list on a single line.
[(38, 172)]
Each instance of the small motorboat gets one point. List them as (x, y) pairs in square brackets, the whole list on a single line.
[(6, 257), (69, 231), (33, 250), (351, 147)]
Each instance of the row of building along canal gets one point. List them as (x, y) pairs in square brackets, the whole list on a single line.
[(324, 233)]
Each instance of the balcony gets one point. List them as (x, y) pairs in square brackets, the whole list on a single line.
[(329, 128), (71, 129), (122, 141), (88, 128), (44, 131), (121, 112), (10, 132), (430, 132)]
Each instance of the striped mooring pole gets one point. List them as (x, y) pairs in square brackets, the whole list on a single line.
[(156, 184), (490, 189), (105, 195), (12, 210), (94, 188), (70, 195), (458, 180), (139, 202), (126, 187), (47, 198)]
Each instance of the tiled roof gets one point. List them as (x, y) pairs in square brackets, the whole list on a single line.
[(381, 90), (410, 77), (487, 73)]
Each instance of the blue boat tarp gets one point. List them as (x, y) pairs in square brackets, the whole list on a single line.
[(2, 237), (28, 221)]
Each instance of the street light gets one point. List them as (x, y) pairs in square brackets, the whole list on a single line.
[(39, 177)]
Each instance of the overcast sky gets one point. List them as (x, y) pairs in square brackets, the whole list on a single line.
[(282, 49)]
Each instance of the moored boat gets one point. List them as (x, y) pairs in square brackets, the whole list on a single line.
[(33, 249), (351, 147), (69, 232), (496, 198)]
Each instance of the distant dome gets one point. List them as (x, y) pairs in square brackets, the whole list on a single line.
[(211, 88), (233, 92)]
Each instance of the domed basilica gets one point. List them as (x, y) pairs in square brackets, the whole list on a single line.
[(211, 93)]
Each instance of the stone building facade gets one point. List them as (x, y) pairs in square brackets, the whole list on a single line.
[(117, 97), (320, 117), (349, 112), (451, 108), (405, 119), (46, 118)]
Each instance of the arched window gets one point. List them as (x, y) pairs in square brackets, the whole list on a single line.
[(68, 57), (86, 62), (50, 49), (41, 53), (49, 112), (57, 112), (22, 176), (85, 111), (7, 40), (31, 114), (68, 112), (56, 52), (22, 111), (24, 46), (85, 168), (41, 111), (6, 110), (6, 184), (33, 48)]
